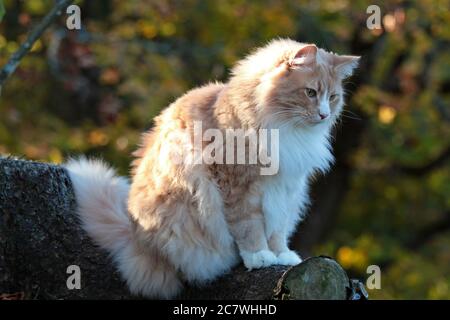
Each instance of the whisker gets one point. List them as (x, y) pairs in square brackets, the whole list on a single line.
[(352, 114), (349, 117)]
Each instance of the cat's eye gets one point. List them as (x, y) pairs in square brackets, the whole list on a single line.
[(333, 97), (311, 92)]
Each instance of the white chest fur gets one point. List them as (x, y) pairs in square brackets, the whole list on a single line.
[(301, 152)]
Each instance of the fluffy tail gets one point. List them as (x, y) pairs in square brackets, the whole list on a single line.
[(102, 207)]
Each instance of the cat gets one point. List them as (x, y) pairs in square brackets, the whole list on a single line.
[(182, 222)]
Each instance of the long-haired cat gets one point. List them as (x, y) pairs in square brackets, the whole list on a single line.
[(182, 221)]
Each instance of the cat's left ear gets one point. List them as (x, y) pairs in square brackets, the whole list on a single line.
[(345, 65)]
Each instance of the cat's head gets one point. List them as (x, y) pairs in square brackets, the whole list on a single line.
[(297, 83)]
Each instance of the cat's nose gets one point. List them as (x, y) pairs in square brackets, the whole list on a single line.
[(323, 115)]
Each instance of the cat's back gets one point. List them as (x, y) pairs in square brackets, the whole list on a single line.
[(178, 119), (195, 105)]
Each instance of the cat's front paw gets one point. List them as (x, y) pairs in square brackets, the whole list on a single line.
[(289, 258), (259, 259)]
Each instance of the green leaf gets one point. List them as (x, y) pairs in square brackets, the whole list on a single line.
[(2, 10)]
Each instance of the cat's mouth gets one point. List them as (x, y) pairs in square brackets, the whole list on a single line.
[(308, 122), (316, 122)]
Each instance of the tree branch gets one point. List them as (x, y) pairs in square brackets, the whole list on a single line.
[(422, 237), (430, 231), (35, 34), (430, 166)]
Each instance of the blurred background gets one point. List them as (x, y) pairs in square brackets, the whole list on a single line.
[(386, 201)]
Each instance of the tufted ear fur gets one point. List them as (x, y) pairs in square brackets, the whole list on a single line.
[(344, 65)]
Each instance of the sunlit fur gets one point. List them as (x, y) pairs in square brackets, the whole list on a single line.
[(192, 223)]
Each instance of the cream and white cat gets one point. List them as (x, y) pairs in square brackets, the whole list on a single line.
[(191, 222)]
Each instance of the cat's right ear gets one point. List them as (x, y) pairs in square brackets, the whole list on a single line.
[(344, 65), (304, 58)]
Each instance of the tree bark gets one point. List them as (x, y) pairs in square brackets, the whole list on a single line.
[(40, 237)]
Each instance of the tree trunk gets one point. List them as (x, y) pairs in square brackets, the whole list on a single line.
[(40, 237)]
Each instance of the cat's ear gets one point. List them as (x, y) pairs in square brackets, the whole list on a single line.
[(345, 65), (305, 57)]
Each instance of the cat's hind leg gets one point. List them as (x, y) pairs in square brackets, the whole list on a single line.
[(199, 243), (193, 249)]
